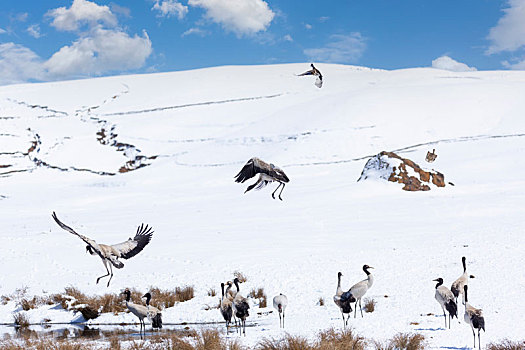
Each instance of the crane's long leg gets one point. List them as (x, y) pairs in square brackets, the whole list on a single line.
[(273, 193), (360, 308), (355, 311), (111, 276), (479, 339), (283, 320), (474, 335), (106, 266), (282, 188)]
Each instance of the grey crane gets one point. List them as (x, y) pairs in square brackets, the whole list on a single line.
[(226, 308), (154, 315), (358, 290), (280, 302), (267, 173), (240, 307), (138, 310), (457, 286), (346, 305), (316, 73), (111, 253), (474, 317), (445, 298)]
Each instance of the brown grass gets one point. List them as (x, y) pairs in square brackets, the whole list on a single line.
[(507, 344), (242, 278), (20, 320), (340, 340), (289, 342), (370, 305), (321, 301), (403, 341), (212, 292), (184, 293), (260, 295)]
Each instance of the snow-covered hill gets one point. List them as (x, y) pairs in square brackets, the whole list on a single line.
[(69, 147)]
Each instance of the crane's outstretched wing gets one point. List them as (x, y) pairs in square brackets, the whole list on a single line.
[(132, 247), (251, 168), (89, 241), (309, 72)]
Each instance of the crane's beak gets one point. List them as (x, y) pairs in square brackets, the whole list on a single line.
[(472, 276), (436, 280)]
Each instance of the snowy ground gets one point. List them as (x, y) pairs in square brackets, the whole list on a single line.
[(195, 129)]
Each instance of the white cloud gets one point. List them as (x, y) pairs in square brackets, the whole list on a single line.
[(342, 49), (323, 19), (168, 8), (19, 64), (447, 63), (243, 17), (34, 31), (81, 12), (288, 37), (102, 51), (518, 65), (308, 26), (509, 33), (2, 31), (195, 31)]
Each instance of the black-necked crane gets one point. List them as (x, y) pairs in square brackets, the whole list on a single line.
[(154, 315), (358, 290), (111, 253), (138, 310), (457, 286), (316, 73), (431, 156), (240, 307), (445, 298), (346, 305), (280, 302), (226, 308), (267, 173), (474, 317)]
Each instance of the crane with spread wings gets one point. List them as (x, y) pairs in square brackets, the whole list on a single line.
[(111, 253), (267, 173)]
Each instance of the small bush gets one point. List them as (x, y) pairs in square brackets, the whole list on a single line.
[(340, 340), (184, 293), (21, 320), (260, 295), (403, 341), (242, 278), (370, 305), (289, 342), (321, 301), (212, 292), (507, 344)]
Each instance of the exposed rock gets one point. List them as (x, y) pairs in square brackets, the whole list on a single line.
[(389, 166)]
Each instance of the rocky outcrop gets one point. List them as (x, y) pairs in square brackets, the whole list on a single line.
[(389, 166)]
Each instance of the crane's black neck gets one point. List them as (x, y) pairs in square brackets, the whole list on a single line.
[(365, 269), (339, 279), (222, 289), (128, 295), (439, 282), (464, 261), (236, 281), (465, 290)]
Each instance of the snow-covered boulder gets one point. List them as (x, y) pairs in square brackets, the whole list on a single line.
[(389, 166)]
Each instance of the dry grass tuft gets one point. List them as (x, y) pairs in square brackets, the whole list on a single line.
[(289, 342), (321, 301), (242, 278), (340, 340), (370, 305), (184, 293), (507, 344), (260, 295), (20, 319), (403, 341), (212, 292)]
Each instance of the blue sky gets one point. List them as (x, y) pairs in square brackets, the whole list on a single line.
[(65, 39)]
